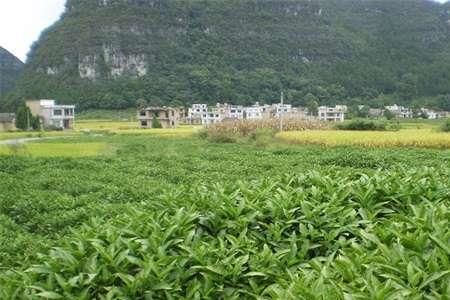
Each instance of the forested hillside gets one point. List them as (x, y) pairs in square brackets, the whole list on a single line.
[(110, 53), (10, 69)]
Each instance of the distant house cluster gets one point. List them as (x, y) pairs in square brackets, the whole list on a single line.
[(206, 115), (402, 112), (202, 114)]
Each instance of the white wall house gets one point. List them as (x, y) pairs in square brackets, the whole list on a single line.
[(196, 113), (332, 114), (400, 112), (429, 113), (278, 109), (51, 114), (235, 112)]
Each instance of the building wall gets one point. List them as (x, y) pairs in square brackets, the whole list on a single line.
[(34, 106), (7, 126), (169, 120)]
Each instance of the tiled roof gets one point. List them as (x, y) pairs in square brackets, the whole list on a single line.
[(7, 117)]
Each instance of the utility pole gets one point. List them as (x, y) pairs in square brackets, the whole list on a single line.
[(28, 120), (281, 111)]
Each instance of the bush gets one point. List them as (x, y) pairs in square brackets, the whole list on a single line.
[(446, 126), (263, 136), (221, 137), (156, 123), (361, 124)]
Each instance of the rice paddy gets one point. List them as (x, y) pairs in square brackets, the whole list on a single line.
[(421, 138)]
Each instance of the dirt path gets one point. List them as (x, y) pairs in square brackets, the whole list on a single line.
[(31, 139)]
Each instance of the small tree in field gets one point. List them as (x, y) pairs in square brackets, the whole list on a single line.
[(23, 118), (389, 115), (156, 123)]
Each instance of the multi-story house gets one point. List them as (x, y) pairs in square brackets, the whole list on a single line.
[(332, 114), (168, 117), (235, 112), (51, 114), (197, 113), (400, 112), (279, 109)]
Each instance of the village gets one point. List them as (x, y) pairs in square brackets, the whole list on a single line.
[(53, 116)]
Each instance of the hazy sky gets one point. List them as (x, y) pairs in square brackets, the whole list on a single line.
[(21, 22)]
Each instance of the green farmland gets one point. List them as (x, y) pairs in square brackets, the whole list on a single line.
[(124, 215)]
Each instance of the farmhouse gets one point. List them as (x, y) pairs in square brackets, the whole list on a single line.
[(7, 122), (196, 113), (257, 112), (168, 117), (400, 112), (332, 114), (52, 115), (376, 112)]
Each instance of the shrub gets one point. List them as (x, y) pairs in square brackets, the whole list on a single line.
[(446, 126), (361, 124), (263, 136), (156, 123)]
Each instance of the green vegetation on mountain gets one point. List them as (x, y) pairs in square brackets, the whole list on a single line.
[(10, 70), (109, 54)]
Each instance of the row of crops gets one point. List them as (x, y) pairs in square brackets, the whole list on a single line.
[(218, 221)]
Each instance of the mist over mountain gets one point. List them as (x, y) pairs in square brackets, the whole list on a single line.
[(110, 53), (10, 70)]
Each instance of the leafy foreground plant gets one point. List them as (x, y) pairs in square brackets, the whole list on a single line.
[(340, 235)]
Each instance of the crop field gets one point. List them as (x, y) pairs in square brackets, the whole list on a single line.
[(144, 216), (422, 138), (131, 127), (59, 149)]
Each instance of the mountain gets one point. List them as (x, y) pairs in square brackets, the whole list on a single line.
[(111, 53), (10, 70)]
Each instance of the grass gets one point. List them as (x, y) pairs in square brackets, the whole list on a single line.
[(56, 149), (421, 138)]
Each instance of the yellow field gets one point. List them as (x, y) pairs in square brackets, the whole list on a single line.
[(55, 149), (104, 125), (424, 138), (133, 128)]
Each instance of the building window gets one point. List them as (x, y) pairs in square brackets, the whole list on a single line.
[(143, 113), (57, 112), (167, 114), (173, 123), (144, 123)]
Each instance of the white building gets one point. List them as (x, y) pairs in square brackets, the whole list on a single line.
[(196, 113), (429, 113), (400, 112), (278, 109), (52, 115), (332, 114), (235, 111)]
